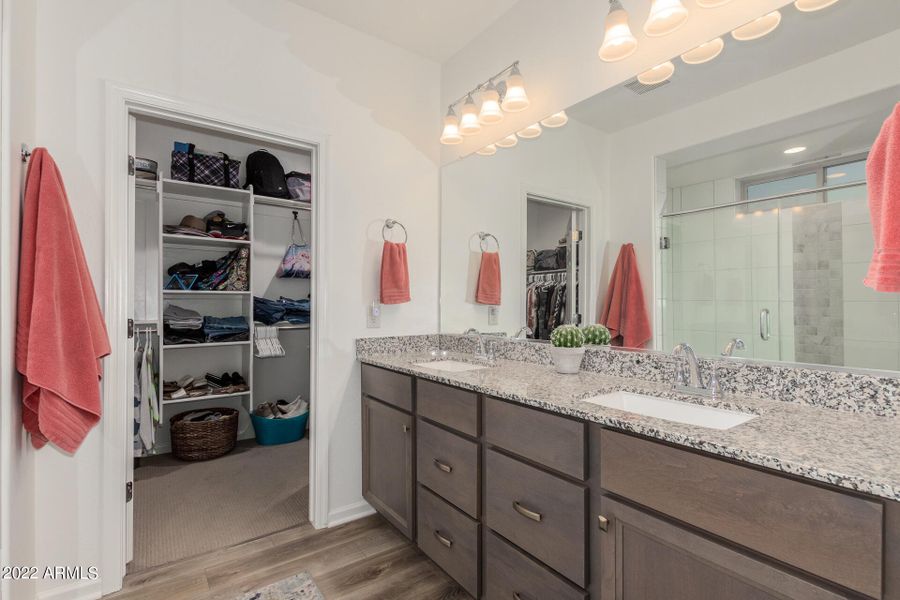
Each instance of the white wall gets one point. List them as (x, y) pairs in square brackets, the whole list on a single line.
[(487, 193), (17, 122), (268, 61)]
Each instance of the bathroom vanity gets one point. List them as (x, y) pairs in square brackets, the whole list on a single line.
[(518, 488)]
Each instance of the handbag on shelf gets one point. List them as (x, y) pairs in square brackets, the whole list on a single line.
[(210, 169), (297, 260)]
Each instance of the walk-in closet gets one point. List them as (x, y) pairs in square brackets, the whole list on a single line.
[(221, 304)]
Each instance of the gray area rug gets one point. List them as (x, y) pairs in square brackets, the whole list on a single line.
[(182, 509), (298, 587)]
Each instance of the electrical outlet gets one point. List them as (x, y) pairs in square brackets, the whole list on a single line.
[(493, 315), (373, 315)]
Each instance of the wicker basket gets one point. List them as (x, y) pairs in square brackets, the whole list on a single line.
[(203, 440)]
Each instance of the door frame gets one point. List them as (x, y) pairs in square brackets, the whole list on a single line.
[(123, 102)]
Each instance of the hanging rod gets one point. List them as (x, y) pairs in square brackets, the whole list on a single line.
[(827, 188)]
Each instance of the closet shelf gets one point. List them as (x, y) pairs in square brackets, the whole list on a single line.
[(179, 240), (146, 184), (283, 202), (206, 397), (203, 191), (202, 293), (204, 345)]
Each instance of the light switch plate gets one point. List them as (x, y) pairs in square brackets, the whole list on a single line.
[(373, 315), (493, 315)]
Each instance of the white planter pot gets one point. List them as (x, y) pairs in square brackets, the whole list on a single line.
[(567, 360)]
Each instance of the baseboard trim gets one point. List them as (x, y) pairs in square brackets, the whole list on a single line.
[(75, 590), (350, 512)]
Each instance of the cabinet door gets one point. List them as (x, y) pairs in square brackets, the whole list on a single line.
[(388, 463), (642, 557)]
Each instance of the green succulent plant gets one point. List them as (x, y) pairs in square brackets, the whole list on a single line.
[(567, 336), (596, 335)]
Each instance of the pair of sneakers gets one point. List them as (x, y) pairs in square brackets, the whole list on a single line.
[(282, 409)]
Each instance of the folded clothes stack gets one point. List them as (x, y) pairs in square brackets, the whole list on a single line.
[(190, 386), (226, 329), (284, 309), (226, 273), (212, 225), (182, 325), (282, 409)]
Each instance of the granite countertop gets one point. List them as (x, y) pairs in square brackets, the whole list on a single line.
[(853, 451)]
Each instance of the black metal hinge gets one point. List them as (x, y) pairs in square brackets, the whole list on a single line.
[(130, 328), (129, 491), (130, 165)]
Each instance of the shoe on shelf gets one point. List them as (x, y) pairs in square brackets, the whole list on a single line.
[(265, 410), (236, 379), (291, 409)]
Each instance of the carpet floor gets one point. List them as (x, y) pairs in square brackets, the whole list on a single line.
[(182, 509)]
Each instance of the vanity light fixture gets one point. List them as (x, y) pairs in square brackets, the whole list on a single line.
[(795, 150), (514, 98), (451, 134), (712, 3), (704, 52), (507, 142), (813, 5), (657, 74), (757, 28), (488, 150), (491, 112), (618, 41), (556, 120), (530, 132), (468, 120), (665, 17)]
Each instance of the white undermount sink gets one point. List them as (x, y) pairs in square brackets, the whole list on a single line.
[(453, 366), (672, 410)]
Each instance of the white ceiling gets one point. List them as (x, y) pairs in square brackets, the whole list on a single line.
[(435, 30), (801, 38)]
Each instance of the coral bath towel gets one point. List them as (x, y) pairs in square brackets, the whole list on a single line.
[(488, 289), (394, 274), (624, 312), (883, 178), (60, 335)]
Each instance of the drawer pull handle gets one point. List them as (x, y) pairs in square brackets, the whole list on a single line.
[(534, 516), (444, 540), (442, 466), (603, 523), (406, 428)]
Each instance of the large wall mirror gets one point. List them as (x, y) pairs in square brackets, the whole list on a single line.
[(740, 183)]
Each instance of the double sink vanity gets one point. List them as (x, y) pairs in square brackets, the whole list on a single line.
[(524, 484)]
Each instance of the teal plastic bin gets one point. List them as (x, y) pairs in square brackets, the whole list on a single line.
[(270, 432)]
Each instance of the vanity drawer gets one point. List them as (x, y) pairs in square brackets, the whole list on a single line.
[(449, 538), (509, 573), (450, 406), (448, 465), (554, 441), (832, 535), (541, 513), (387, 386)]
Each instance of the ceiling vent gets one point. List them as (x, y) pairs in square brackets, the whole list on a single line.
[(641, 88)]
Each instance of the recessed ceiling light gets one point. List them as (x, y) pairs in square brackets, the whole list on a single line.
[(757, 28), (795, 150), (836, 175)]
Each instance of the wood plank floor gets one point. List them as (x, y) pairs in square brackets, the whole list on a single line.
[(363, 560)]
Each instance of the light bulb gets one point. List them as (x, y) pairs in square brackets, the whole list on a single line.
[(451, 134), (813, 5), (657, 74), (556, 120), (515, 98), (468, 120), (757, 28), (507, 142), (530, 132), (712, 3), (618, 41), (490, 106), (665, 17), (488, 150), (704, 52)]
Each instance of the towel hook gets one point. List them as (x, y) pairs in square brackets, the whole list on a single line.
[(389, 224), (483, 236), (26, 152)]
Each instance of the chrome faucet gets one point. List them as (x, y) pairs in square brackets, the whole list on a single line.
[(691, 382), (524, 333), (482, 353), (734, 344)]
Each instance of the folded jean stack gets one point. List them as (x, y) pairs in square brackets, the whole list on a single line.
[(269, 312), (226, 329), (186, 326), (226, 273)]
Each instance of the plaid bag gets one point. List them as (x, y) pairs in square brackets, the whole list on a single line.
[(211, 169)]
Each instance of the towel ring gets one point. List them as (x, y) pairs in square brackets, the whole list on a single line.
[(483, 236), (389, 224)]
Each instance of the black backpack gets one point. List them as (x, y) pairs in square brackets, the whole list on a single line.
[(266, 175)]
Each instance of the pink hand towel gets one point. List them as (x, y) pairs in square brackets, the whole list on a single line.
[(394, 274), (60, 335), (488, 290), (883, 177), (624, 312)]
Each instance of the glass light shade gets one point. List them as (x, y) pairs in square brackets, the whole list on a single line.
[(657, 74), (515, 99), (556, 119), (451, 133), (468, 118), (665, 17), (530, 132), (490, 107), (507, 142), (813, 5), (618, 41), (757, 28), (704, 52), (488, 150), (712, 3)]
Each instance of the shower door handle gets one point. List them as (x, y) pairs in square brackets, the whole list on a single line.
[(765, 324)]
